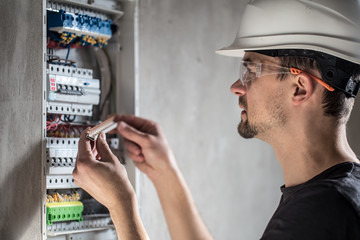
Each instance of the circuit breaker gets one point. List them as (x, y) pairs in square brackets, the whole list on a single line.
[(78, 93)]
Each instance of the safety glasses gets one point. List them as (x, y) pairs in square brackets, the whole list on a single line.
[(252, 70)]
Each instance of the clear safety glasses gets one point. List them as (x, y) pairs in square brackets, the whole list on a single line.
[(252, 70)]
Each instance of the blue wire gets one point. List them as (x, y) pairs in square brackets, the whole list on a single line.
[(67, 55)]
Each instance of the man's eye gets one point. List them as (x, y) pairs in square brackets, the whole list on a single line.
[(250, 74), (250, 70)]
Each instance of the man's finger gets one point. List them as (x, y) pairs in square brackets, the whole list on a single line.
[(84, 147), (131, 119), (132, 147), (136, 158), (104, 149), (132, 134)]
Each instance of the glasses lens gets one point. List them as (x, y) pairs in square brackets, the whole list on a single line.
[(248, 71)]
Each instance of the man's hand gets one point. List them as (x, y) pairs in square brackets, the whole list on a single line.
[(100, 173), (147, 146), (145, 143)]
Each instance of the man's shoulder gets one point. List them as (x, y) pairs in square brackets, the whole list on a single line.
[(327, 208), (339, 186), (333, 189), (319, 197), (320, 214)]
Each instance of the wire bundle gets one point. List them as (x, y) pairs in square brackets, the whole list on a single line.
[(63, 126), (52, 124), (57, 197), (66, 131)]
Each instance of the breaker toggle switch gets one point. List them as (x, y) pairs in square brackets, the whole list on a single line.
[(69, 89)]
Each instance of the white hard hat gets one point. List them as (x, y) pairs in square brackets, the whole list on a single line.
[(329, 27)]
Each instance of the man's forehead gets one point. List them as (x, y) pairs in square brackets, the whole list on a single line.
[(257, 57)]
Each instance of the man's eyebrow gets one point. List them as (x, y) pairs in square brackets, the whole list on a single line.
[(253, 59), (257, 60), (247, 59)]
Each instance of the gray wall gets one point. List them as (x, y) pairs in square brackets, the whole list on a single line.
[(184, 86), (353, 128), (21, 77)]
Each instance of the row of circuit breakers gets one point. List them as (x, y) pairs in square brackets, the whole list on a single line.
[(71, 90), (71, 95)]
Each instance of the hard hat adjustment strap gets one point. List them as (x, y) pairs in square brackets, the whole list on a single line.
[(352, 87), (335, 71)]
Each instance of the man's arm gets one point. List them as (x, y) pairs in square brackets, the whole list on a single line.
[(100, 173), (147, 146)]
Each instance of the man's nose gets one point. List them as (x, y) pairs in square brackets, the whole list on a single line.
[(238, 88)]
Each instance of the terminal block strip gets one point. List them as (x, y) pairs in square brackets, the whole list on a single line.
[(63, 211), (63, 207), (79, 23), (83, 8)]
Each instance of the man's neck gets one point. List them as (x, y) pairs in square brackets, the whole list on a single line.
[(306, 153)]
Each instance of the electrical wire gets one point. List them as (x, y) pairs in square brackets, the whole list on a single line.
[(67, 118), (55, 128), (67, 55), (112, 84), (54, 123), (106, 81)]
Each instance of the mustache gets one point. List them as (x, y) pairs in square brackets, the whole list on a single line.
[(243, 102)]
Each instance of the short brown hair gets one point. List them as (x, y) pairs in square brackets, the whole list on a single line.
[(336, 104)]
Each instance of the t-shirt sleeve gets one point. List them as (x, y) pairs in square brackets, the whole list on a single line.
[(315, 214)]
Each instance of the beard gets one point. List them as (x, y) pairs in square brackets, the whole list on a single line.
[(246, 130), (255, 128)]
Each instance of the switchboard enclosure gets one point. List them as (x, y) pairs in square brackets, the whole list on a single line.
[(70, 63)]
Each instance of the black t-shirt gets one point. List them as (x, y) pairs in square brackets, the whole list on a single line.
[(325, 207)]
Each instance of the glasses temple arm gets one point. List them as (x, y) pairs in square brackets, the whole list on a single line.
[(296, 71)]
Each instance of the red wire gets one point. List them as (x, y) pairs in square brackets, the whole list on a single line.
[(52, 120), (53, 125)]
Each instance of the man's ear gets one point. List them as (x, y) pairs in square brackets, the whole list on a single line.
[(302, 89)]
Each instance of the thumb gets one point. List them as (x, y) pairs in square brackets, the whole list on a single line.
[(104, 149), (84, 146)]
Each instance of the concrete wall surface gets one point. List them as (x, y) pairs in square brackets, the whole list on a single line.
[(21, 77), (184, 86), (353, 128)]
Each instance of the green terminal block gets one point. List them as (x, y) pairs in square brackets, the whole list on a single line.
[(64, 211)]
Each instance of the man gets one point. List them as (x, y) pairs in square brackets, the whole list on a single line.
[(298, 80)]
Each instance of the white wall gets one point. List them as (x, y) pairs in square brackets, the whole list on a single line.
[(184, 86)]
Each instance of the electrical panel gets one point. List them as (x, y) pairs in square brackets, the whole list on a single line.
[(78, 93)]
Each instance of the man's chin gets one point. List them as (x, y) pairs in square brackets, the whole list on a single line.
[(246, 130)]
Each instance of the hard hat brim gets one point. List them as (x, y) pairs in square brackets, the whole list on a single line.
[(294, 41)]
